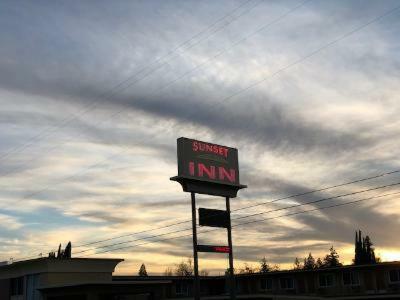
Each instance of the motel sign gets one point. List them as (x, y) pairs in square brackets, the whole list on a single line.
[(207, 168), (211, 169)]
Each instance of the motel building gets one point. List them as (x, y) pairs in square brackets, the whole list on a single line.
[(92, 279)]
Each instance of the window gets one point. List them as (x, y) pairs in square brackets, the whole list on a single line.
[(181, 288), (350, 278), (17, 286), (326, 280), (286, 283), (266, 283), (394, 276)]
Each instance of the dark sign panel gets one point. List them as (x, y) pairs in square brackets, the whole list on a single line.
[(217, 249), (213, 218), (208, 162)]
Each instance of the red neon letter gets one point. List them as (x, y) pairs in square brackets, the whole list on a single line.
[(231, 176), (191, 168), (195, 146), (210, 172)]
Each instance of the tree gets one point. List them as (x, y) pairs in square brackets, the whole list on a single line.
[(68, 251), (309, 262), (204, 272), (364, 252), (184, 268), (168, 271), (332, 259), (319, 263), (264, 267), (275, 268), (142, 270), (247, 269), (370, 251), (297, 264)]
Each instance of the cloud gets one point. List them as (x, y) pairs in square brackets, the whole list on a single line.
[(87, 162), (9, 222)]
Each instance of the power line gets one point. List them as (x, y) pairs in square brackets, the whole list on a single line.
[(113, 115), (246, 207), (254, 214), (246, 88), (290, 65), (263, 27), (319, 208), (90, 106), (320, 200), (245, 223)]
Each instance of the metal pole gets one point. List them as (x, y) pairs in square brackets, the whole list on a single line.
[(231, 270), (196, 282)]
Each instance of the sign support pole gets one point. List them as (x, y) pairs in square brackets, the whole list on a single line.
[(232, 287), (196, 282)]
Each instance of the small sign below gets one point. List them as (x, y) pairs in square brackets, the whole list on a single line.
[(215, 249), (213, 218)]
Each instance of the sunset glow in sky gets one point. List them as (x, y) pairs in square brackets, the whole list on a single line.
[(94, 94)]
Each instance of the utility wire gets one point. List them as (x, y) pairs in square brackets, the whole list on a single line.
[(294, 63), (243, 89), (255, 221), (90, 106), (244, 207), (251, 215), (155, 92)]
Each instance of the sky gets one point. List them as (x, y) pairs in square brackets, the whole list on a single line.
[(94, 94)]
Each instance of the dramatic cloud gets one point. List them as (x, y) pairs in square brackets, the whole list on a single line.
[(93, 96)]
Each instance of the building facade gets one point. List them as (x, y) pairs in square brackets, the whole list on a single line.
[(92, 279)]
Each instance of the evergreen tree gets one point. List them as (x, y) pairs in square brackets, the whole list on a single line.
[(68, 251), (364, 252), (309, 262), (59, 252), (297, 264), (332, 259), (142, 270), (264, 267), (319, 263), (370, 251)]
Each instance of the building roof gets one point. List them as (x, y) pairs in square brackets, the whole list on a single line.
[(111, 283), (54, 265)]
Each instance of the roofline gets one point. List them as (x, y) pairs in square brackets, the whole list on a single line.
[(48, 259), (149, 277)]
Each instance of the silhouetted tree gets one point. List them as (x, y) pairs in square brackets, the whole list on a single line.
[(59, 252), (142, 270), (184, 268), (68, 251), (247, 269), (332, 259), (264, 267), (275, 267), (364, 252), (297, 264), (309, 262), (319, 263)]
